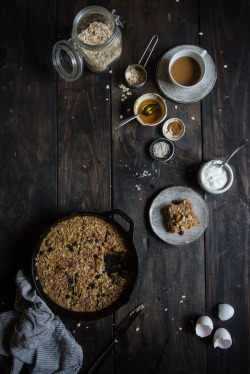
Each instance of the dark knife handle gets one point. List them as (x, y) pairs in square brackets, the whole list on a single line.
[(102, 357)]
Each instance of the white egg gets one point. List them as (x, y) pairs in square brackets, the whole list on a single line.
[(204, 326), (222, 339), (225, 312)]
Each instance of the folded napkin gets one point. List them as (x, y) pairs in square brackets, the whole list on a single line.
[(33, 335)]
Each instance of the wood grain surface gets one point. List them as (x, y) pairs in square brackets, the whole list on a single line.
[(60, 153)]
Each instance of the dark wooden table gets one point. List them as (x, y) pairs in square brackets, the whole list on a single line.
[(61, 154)]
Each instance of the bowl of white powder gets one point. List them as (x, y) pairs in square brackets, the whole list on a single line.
[(161, 149)]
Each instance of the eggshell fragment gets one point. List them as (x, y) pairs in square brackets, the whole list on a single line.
[(222, 339), (225, 312), (204, 326)]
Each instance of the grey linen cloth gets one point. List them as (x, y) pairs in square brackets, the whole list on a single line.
[(33, 335)]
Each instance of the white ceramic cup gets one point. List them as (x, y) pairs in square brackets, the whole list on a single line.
[(199, 57)]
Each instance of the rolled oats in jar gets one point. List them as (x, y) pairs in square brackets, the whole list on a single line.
[(96, 42)]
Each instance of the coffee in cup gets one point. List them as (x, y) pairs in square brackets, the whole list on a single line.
[(187, 68)]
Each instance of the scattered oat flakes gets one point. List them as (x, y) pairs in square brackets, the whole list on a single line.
[(78, 325), (225, 66), (192, 118), (200, 33), (176, 106), (181, 301), (183, 296), (128, 110), (180, 328), (137, 329), (110, 71), (166, 309), (107, 99), (107, 86), (121, 116), (138, 186), (145, 174)]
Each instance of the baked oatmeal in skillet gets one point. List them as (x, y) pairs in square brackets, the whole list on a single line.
[(84, 263)]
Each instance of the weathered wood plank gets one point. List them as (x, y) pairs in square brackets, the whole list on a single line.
[(157, 339), (84, 164), (225, 26), (28, 194)]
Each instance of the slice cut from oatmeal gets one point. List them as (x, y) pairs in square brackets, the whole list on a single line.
[(180, 216)]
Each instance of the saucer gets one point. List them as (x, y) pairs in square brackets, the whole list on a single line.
[(185, 95)]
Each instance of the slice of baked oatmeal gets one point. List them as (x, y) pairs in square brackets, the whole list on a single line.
[(180, 216)]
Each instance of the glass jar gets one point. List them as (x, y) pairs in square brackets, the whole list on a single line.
[(96, 42)]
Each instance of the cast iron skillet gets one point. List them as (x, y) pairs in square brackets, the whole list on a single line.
[(123, 299)]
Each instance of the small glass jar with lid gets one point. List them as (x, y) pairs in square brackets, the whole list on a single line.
[(96, 42)]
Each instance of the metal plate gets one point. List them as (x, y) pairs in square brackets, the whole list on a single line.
[(157, 219), (185, 95)]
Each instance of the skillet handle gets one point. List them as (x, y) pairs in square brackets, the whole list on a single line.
[(110, 214)]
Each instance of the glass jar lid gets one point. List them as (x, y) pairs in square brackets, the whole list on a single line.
[(67, 60)]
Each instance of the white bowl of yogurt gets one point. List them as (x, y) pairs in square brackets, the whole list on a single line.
[(215, 178)]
